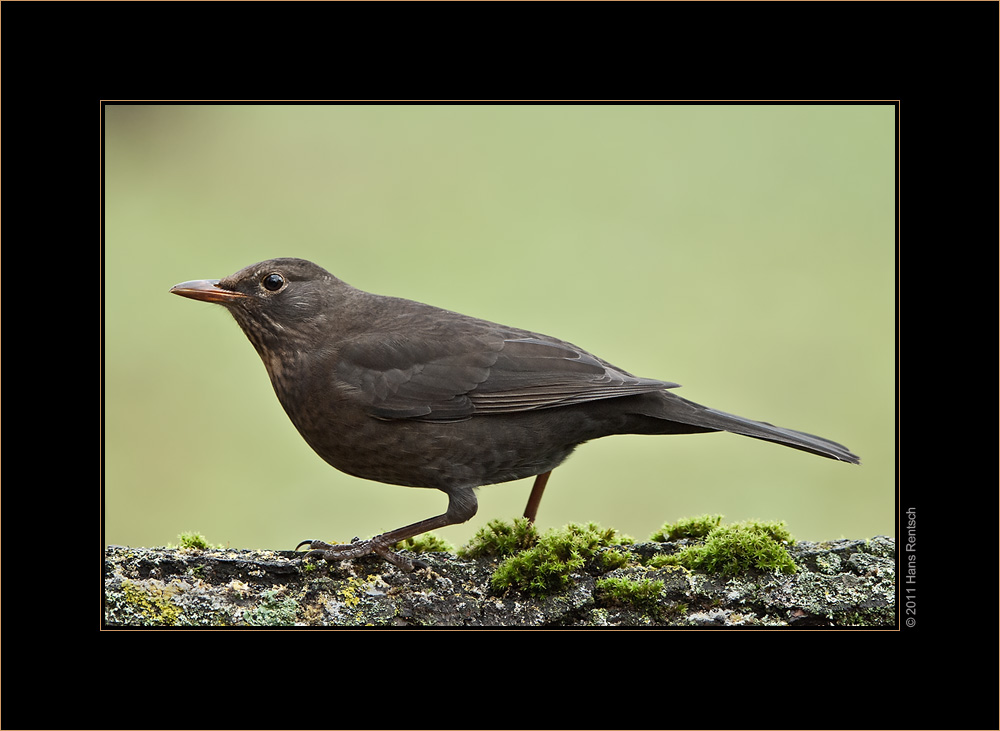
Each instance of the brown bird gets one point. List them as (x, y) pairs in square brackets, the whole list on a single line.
[(401, 392)]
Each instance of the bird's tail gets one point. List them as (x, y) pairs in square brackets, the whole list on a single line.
[(705, 419)]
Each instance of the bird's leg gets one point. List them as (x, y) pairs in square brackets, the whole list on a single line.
[(462, 505), (531, 509)]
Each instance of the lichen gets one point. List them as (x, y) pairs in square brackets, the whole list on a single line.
[(273, 611), (152, 601)]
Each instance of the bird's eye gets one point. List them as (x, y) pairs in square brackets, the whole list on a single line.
[(273, 282)]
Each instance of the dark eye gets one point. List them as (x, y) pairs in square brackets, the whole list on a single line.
[(273, 282)]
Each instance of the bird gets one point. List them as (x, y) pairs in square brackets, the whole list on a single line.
[(401, 392)]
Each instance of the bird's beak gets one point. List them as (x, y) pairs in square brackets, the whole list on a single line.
[(206, 290)]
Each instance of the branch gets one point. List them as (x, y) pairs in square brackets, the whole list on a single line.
[(838, 583)]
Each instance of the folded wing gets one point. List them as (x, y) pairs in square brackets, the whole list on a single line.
[(404, 377)]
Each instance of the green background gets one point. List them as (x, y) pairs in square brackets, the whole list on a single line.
[(745, 252)]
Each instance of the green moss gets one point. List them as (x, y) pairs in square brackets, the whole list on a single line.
[(687, 528), (498, 538), (424, 543), (662, 559), (611, 559), (546, 566), (734, 549), (641, 594), (193, 539)]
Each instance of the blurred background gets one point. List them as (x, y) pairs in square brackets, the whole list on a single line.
[(745, 252)]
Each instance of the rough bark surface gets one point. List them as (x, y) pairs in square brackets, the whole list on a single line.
[(838, 583)]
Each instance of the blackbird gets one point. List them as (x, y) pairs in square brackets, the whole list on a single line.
[(401, 392)]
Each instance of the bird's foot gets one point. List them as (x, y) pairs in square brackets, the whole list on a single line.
[(338, 552)]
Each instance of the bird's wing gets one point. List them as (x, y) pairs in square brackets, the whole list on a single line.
[(412, 377), (448, 379)]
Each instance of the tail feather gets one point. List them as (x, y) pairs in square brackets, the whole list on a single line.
[(687, 412)]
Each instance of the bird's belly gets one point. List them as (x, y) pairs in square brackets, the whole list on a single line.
[(478, 451)]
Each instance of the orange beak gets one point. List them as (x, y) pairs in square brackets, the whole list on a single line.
[(206, 290)]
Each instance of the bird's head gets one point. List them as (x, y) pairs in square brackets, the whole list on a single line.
[(278, 303)]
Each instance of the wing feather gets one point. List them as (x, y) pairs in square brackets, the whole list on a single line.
[(491, 372)]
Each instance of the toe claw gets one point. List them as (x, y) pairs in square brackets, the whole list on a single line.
[(315, 545), (356, 548)]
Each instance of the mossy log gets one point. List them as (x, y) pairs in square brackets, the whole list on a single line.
[(836, 583)]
